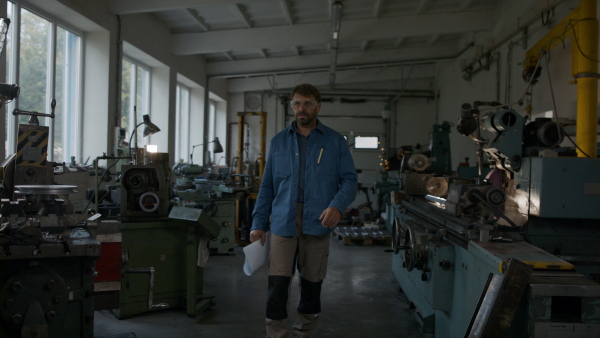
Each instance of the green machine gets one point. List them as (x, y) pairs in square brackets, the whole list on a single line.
[(160, 263), (222, 211), (214, 197), (160, 249)]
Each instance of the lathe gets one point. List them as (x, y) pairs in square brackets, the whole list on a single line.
[(454, 239), (154, 253)]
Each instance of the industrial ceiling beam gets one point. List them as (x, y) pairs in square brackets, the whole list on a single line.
[(198, 19), (366, 58), (466, 4), (364, 45), (344, 77), (422, 6), (399, 42), (433, 39), (312, 34), (121, 7), (286, 11), (377, 8), (240, 11)]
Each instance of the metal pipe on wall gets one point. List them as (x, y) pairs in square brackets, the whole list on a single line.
[(585, 71), (205, 155), (584, 68)]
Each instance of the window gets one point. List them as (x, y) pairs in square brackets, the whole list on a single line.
[(135, 98), (46, 64), (182, 136), (66, 124), (212, 127), (366, 142)]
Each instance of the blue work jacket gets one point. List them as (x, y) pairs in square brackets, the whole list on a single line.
[(330, 181)]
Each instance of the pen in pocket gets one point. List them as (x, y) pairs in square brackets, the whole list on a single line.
[(320, 154)]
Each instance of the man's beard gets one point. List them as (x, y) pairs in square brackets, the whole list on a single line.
[(305, 121)]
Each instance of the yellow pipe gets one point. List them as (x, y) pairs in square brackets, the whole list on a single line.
[(240, 149), (551, 40), (583, 24), (585, 71), (263, 144)]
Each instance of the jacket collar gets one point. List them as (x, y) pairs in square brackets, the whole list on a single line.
[(292, 127)]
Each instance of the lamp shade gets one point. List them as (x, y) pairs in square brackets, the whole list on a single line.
[(218, 148), (150, 128)]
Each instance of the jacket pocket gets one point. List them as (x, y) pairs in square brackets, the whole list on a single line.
[(281, 165), (326, 185)]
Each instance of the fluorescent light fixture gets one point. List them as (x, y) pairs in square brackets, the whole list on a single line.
[(336, 16)]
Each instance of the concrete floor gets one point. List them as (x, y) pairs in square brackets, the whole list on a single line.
[(360, 298)]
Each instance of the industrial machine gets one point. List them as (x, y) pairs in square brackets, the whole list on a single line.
[(46, 266), (145, 189), (213, 194), (159, 250), (48, 253), (454, 239), (247, 177), (415, 171)]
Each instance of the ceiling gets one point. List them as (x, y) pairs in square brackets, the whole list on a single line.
[(382, 44)]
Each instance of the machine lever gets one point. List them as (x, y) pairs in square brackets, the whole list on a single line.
[(150, 271)]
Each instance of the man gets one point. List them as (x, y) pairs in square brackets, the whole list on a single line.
[(308, 182)]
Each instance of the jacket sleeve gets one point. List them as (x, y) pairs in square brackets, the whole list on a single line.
[(348, 180), (264, 201)]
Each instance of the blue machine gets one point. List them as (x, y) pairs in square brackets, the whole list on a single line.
[(452, 236)]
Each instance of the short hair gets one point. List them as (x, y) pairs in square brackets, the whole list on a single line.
[(306, 89)]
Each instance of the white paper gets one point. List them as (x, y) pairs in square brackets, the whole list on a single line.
[(203, 252), (256, 255)]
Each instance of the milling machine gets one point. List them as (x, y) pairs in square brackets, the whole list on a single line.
[(536, 211), (48, 253)]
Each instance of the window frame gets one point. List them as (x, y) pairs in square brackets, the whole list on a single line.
[(182, 123), (212, 131), (13, 74), (146, 99)]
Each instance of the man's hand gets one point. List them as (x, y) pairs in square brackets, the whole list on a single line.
[(255, 235), (330, 217)]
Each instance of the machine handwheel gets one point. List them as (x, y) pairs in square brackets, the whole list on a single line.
[(409, 251), (149, 202), (396, 235), (137, 180)]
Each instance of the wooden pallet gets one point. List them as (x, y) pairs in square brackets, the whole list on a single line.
[(362, 236)]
